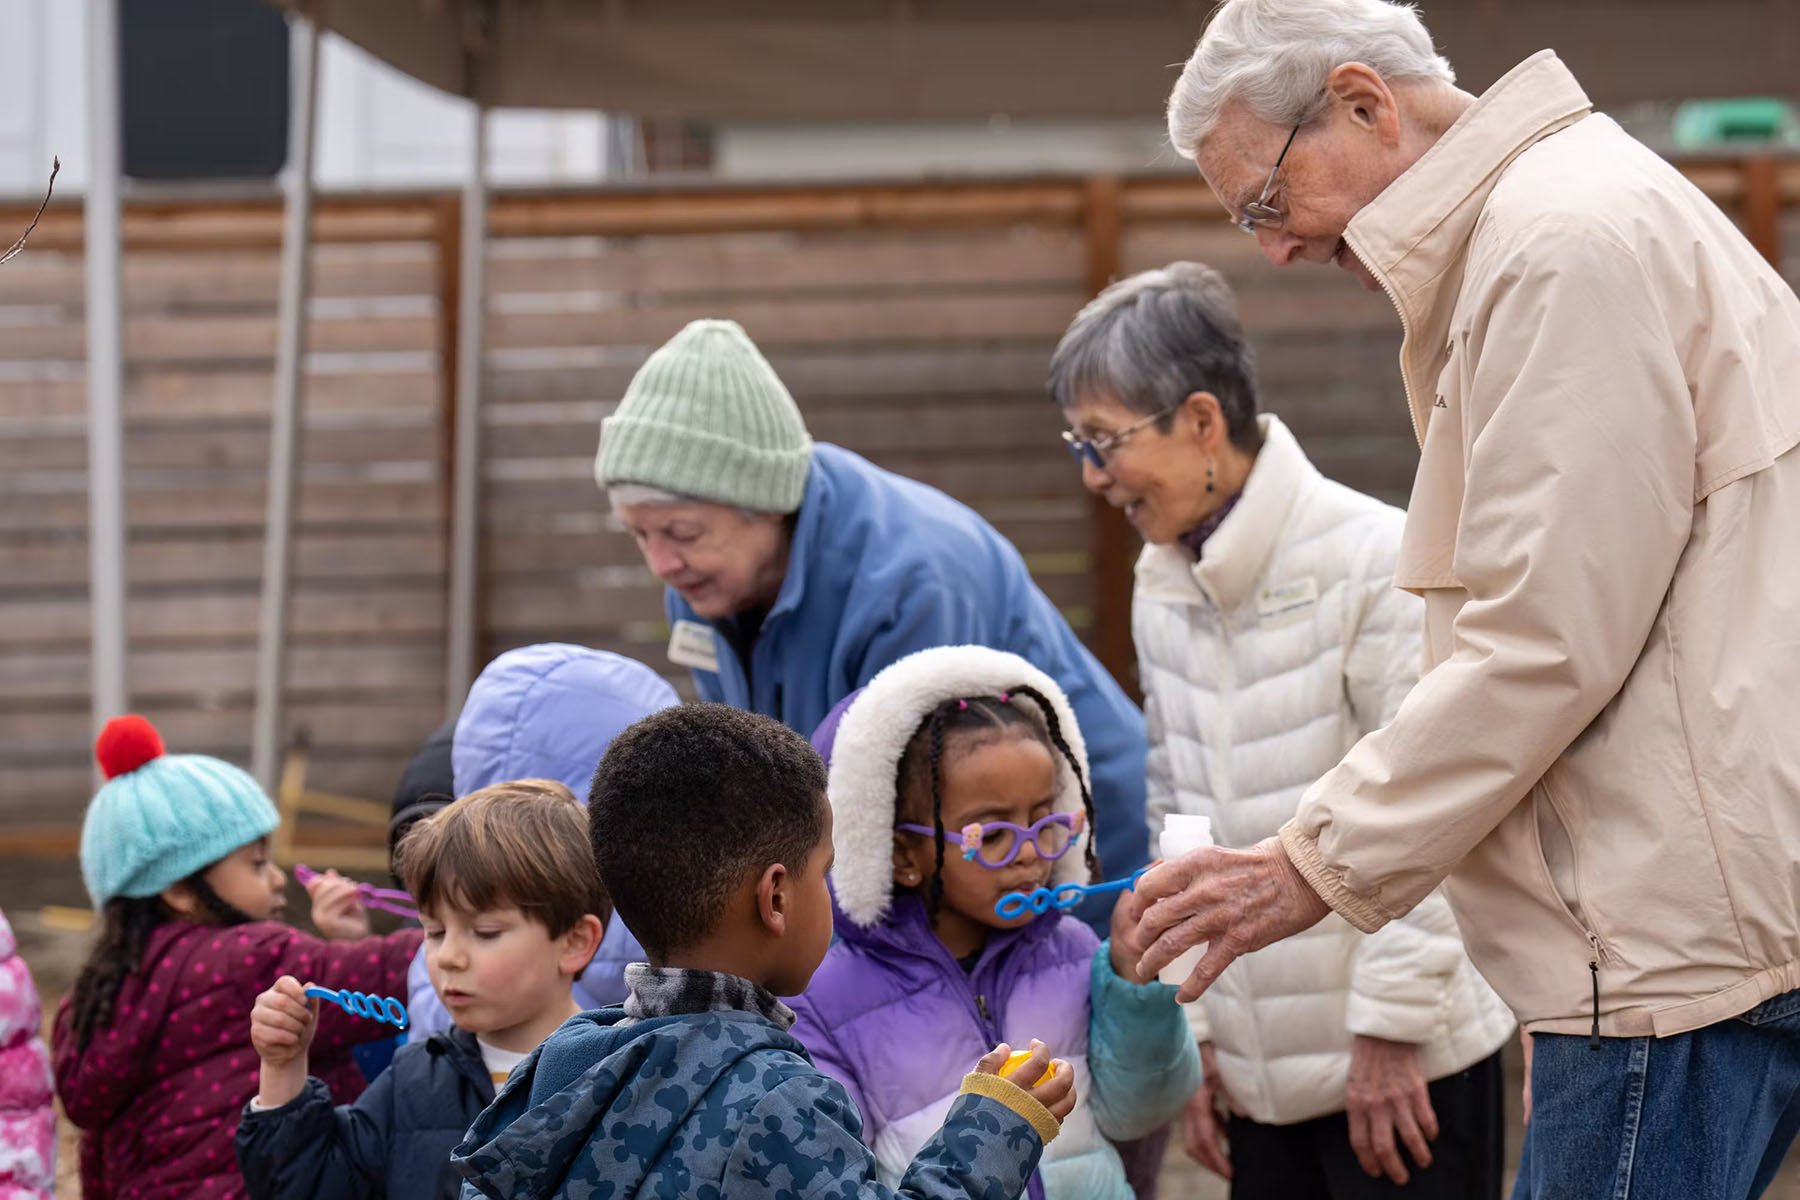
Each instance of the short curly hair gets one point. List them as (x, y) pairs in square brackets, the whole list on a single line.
[(689, 803)]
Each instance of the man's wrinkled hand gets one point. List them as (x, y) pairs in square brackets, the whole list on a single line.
[(1234, 900), (1388, 1106)]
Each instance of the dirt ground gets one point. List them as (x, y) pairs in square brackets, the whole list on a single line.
[(54, 955)]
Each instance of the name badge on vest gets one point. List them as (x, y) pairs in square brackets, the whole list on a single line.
[(694, 645), (1287, 602)]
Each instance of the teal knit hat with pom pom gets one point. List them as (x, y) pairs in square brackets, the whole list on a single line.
[(160, 817)]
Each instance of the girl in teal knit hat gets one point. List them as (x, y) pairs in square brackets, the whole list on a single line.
[(151, 1048)]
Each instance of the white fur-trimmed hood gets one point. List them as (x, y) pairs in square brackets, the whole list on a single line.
[(872, 736)]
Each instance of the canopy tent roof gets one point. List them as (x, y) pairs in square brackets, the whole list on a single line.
[(935, 59)]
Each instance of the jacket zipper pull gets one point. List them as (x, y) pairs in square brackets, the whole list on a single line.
[(1594, 976), (982, 1004)]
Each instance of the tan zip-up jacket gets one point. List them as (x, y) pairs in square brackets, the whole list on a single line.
[(1602, 760)]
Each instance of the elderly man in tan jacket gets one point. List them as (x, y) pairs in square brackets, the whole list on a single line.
[(1600, 762)]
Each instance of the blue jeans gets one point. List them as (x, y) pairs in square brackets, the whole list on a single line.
[(1706, 1115)]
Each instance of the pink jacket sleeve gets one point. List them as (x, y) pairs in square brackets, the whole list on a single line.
[(27, 1119)]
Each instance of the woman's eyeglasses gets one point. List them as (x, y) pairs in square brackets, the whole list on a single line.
[(995, 844), (1093, 451)]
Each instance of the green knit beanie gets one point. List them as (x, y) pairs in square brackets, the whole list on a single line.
[(706, 416)]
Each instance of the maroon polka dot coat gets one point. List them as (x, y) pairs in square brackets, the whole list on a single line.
[(158, 1093)]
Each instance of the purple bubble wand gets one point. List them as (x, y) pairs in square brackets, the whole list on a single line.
[(391, 900)]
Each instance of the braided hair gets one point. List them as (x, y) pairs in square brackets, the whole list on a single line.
[(923, 762), (126, 923)]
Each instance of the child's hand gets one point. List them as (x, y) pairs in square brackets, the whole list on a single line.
[(337, 910), (282, 1023), (1056, 1093), (281, 1029), (1125, 947)]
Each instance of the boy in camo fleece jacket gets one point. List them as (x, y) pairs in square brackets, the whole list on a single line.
[(713, 836)]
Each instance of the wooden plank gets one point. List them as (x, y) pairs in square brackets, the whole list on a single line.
[(527, 547), (396, 722), (224, 674), (957, 317), (226, 223), (227, 557), (1762, 206), (558, 485), (202, 280), (175, 393), (921, 424), (733, 207), (816, 375), (785, 262), (198, 618), (47, 796), (229, 503), (237, 445), (217, 337), (539, 603)]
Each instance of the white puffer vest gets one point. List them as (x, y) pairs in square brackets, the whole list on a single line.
[(1261, 665)]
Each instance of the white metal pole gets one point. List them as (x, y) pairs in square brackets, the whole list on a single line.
[(105, 366), (284, 421), (465, 483)]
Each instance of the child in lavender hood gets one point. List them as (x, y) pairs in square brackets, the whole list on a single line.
[(939, 769), (547, 711)]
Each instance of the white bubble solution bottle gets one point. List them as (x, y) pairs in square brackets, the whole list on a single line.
[(1181, 834)]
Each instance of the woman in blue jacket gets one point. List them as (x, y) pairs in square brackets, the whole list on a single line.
[(797, 571)]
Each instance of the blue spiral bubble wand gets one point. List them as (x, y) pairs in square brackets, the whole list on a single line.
[(1062, 897), (385, 1009)]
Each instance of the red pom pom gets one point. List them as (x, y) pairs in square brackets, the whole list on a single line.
[(126, 744)]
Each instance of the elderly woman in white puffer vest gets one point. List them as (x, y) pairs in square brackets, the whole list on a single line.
[(1270, 638)]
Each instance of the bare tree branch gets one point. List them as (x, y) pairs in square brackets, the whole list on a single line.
[(55, 166)]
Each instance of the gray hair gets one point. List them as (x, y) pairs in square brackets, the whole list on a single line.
[(1275, 56), (1154, 339)]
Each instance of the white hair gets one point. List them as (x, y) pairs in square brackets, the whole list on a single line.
[(1274, 57), (629, 495)]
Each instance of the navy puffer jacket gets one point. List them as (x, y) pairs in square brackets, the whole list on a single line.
[(394, 1143)]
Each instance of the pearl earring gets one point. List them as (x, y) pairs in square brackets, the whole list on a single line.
[(1209, 477)]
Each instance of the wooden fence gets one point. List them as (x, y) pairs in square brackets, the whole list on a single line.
[(913, 323)]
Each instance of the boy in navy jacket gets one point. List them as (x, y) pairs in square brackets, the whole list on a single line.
[(513, 912)]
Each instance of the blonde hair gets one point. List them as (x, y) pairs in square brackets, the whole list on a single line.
[(523, 843)]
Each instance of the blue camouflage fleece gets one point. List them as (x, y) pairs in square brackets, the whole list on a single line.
[(721, 1105)]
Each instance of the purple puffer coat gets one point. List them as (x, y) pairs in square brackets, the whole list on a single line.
[(899, 1022)]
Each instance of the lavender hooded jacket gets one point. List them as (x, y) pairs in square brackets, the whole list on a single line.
[(898, 1022), (547, 711)]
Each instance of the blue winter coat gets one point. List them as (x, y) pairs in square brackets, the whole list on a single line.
[(882, 566), (394, 1143), (713, 1106), (548, 711)]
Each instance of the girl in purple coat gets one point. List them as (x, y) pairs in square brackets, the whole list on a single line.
[(151, 1047), (956, 776)]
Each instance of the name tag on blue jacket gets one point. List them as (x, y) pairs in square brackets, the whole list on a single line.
[(694, 645)]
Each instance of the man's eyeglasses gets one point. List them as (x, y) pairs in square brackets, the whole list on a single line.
[(1259, 213), (994, 844), (1093, 451)]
